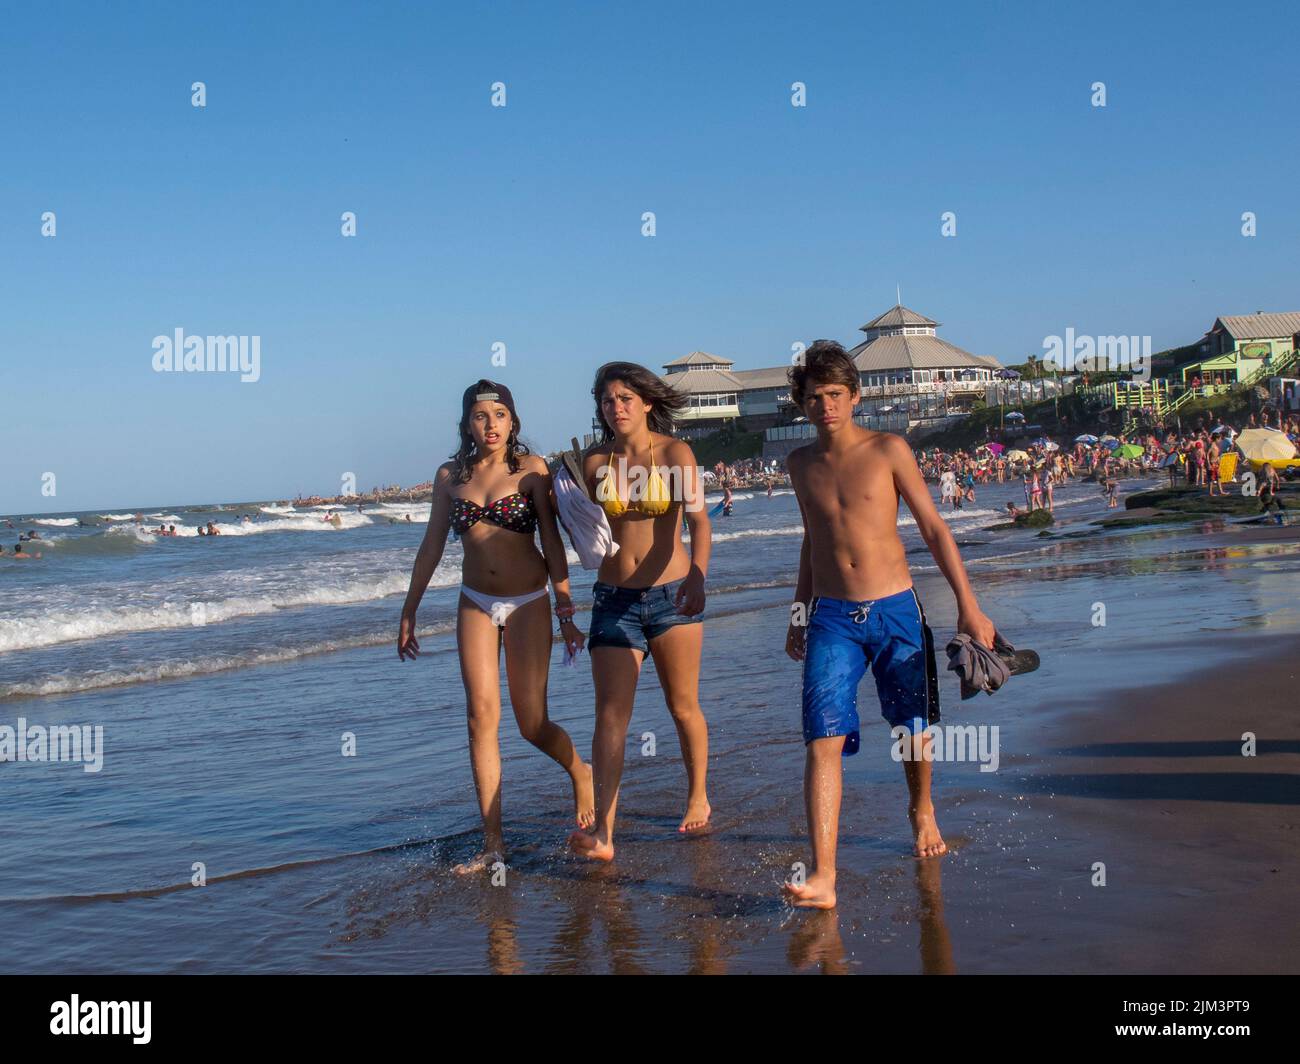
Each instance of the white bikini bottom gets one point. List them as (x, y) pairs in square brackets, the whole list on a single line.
[(499, 607)]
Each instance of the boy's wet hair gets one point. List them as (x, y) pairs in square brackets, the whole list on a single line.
[(823, 362)]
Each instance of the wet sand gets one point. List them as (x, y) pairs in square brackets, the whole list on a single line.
[(1200, 843)]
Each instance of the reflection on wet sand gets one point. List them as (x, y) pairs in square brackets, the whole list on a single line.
[(708, 905), (936, 944), (816, 941)]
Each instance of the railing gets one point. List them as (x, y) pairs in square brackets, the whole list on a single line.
[(1274, 368), (805, 431), (1100, 393), (1155, 395), (1185, 397)]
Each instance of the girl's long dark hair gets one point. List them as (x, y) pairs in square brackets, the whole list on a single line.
[(467, 454), (668, 402)]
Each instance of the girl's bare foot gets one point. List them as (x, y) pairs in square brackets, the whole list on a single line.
[(929, 843), (584, 797), (816, 892), (586, 844), (697, 815), (481, 863)]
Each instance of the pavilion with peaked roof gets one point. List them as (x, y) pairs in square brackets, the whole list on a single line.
[(901, 349), (900, 356), (710, 387)]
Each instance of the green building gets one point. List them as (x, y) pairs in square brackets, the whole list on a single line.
[(1240, 345)]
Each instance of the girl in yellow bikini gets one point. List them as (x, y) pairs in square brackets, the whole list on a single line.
[(649, 595)]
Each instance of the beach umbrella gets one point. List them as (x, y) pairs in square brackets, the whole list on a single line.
[(1009, 375), (996, 448), (1087, 437), (1106, 437), (1017, 456), (1129, 450), (1265, 445), (1111, 442), (1015, 415)]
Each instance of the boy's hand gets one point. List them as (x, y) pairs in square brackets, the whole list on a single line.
[(795, 641), (973, 623)]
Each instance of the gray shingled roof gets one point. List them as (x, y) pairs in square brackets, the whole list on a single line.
[(699, 358), (916, 352), (775, 377), (699, 381), (1260, 326), (898, 315)]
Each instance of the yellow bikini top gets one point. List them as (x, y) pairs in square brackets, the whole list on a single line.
[(654, 501)]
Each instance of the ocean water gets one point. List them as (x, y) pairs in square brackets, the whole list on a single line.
[(227, 674)]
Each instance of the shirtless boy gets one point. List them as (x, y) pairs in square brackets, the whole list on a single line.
[(861, 609)]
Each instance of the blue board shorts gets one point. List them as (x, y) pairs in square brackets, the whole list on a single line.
[(889, 635), (632, 616)]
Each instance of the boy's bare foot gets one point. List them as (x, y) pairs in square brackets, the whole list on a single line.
[(584, 797), (929, 843), (481, 863), (817, 892), (697, 815), (586, 844)]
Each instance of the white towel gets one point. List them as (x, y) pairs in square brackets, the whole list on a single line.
[(584, 520)]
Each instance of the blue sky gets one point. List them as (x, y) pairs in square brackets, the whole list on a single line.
[(522, 224)]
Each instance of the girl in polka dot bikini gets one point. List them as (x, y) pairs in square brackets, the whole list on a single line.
[(495, 496)]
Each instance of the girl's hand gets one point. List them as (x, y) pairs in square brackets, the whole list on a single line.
[(690, 596), (574, 640), (406, 641)]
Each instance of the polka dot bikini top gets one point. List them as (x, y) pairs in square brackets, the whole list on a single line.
[(514, 512)]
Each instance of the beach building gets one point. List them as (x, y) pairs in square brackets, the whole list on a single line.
[(711, 388), (903, 353), (905, 368), (1241, 347)]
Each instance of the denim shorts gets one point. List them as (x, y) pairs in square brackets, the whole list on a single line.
[(890, 636), (632, 616)]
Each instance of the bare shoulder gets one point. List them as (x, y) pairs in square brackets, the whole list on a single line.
[(534, 463), (442, 478), (894, 447), (676, 452), (443, 482), (798, 457), (592, 459)]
